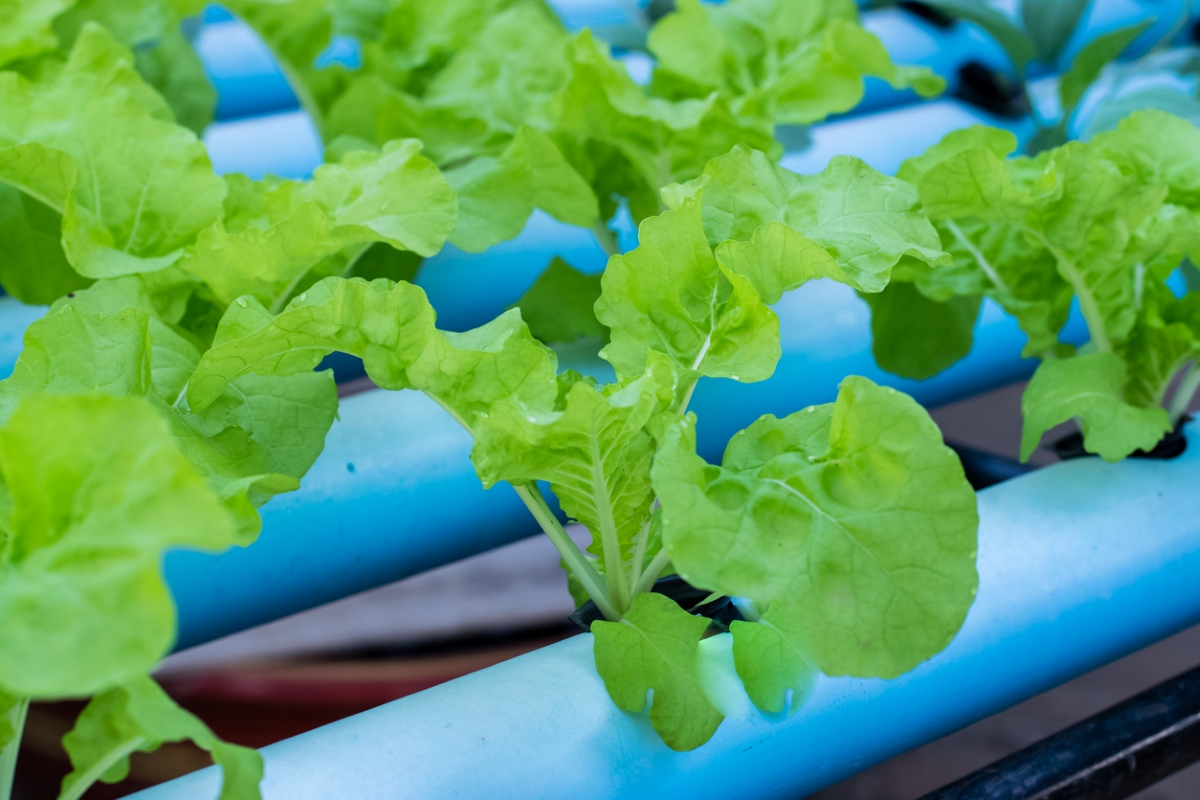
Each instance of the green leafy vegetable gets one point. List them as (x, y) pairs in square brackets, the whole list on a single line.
[(793, 63), (277, 233), (818, 512), (1104, 223), (95, 490), (96, 145), (655, 647), (138, 716), (812, 517), (256, 440)]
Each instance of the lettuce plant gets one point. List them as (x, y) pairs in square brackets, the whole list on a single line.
[(94, 490), (520, 114), (35, 32), (847, 530), (1103, 223)]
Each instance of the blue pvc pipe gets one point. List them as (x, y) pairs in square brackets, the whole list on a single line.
[(1080, 564), (394, 493)]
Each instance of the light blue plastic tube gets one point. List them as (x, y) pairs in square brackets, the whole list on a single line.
[(1080, 564), (394, 493)]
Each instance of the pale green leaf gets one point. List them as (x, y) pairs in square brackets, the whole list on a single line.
[(95, 490), (593, 449), (34, 268), (865, 220), (133, 187), (771, 658), (138, 716), (25, 28), (276, 232), (1090, 388), (655, 647), (915, 337), (868, 532), (391, 327), (671, 296), (173, 68)]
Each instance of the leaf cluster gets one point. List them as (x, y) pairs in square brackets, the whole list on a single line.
[(847, 529), (1103, 224), (520, 114)]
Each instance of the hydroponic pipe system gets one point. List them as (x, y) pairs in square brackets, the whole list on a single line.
[(395, 487), (1079, 564)]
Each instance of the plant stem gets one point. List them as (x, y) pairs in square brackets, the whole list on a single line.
[(1087, 300), (983, 263), (577, 562), (1185, 393), (655, 568), (102, 766), (8, 755)]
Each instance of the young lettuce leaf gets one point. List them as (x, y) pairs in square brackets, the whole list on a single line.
[(794, 63), (138, 716), (257, 439), (819, 517), (95, 490), (96, 145)]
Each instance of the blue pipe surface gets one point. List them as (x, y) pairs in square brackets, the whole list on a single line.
[(394, 493), (1079, 564)]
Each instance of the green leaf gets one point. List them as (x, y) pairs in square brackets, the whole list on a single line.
[(138, 716), (1161, 149), (865, 220), (275, 231), (95, 490), (560, 306), (145, 186), (1086, 66), (496, 194), (257, 440), (780, 61), (1090, 387), (628, 144), (391, 328), (670, 295), (1050, 24), (134, 23), (34, 269), (173, 68), (853, 514), (997, 141), (1096, 220), (593, 449), (655, 647), (25, 28), (915, 337), (509, 73), (1017, 43), (771, 658)]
